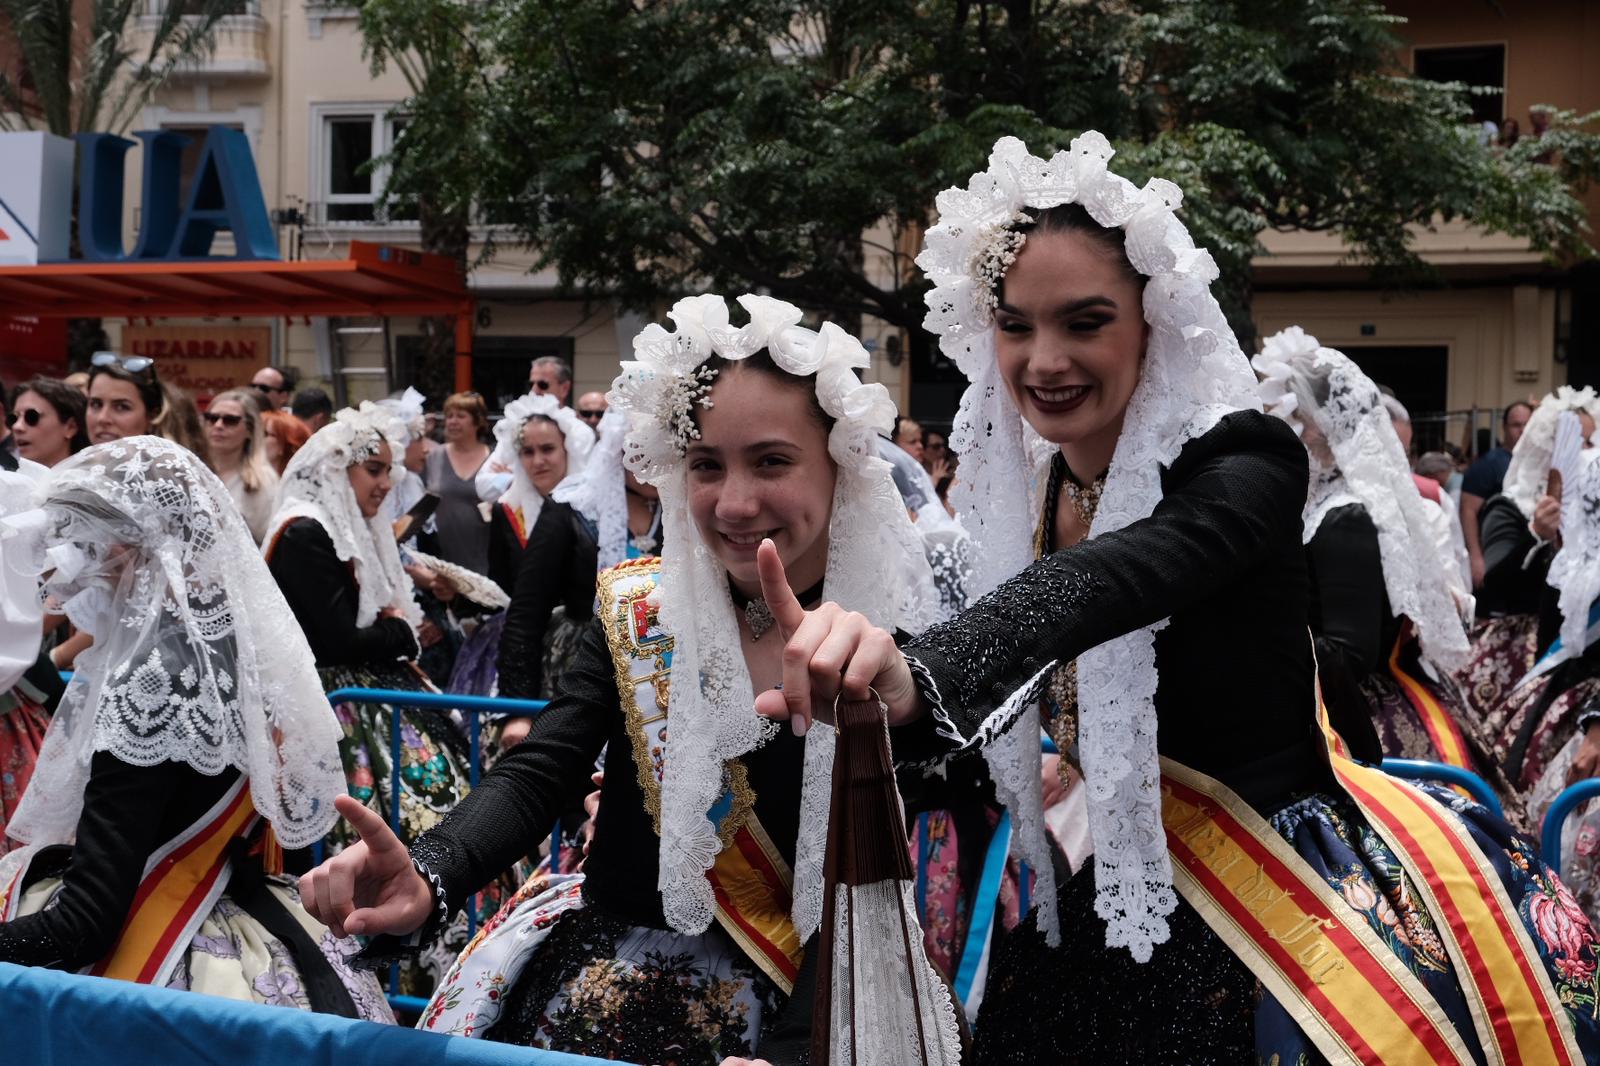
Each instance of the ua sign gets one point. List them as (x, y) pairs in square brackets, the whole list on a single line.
[(224, 195)]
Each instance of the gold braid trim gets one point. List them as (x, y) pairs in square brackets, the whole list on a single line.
[(616, 617)]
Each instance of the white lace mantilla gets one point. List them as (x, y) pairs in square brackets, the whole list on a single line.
[(1530, 459), (600, 491), (197, 658), (1575, 570), (1305, 383), (875, 566), (1194, 374), (576, 436)]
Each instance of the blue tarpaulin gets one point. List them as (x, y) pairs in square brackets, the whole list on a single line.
[(61, 1019)]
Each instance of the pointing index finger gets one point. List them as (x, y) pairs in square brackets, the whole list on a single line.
[(371, 827), (786, 610)]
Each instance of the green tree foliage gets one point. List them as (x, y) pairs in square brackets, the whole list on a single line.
[(80, 67), (652, 147)]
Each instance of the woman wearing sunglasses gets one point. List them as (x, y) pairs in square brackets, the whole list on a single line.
[(128, 399), (46, 418), (239, 457)]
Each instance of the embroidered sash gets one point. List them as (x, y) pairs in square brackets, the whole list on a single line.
[(1437, 721), (750, 881), (181, 884), (1347, 991), (517, 525), (1344, 988)]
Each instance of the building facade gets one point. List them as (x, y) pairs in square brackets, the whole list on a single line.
[(1507, 325)]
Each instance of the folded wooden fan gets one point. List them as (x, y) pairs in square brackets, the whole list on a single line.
[(879, 1001)]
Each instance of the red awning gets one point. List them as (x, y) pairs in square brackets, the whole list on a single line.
[(375, 280)]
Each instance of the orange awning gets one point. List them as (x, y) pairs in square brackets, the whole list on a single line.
[(375, 280)]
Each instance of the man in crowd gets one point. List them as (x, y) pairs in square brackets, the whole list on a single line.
[(591, 407), (313, 407), (276, 385), (1483, 480), (550, 376)]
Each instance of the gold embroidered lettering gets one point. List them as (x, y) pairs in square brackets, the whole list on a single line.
[(1306, 926)]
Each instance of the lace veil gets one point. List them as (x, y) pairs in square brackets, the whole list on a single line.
[(875, 566), (1194, 373), (1575, 571), (20, 610), (316, 485), (578, 437), (1530, 459), (1304, 383), (407, 408), (600, 491), (197, 658)]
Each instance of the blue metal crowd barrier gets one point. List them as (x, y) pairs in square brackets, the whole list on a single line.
[(1556, 817), (1422, 770), (472, 706), (62, 1019)]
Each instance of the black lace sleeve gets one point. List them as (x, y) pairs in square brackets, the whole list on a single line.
[(1230, 496), (323, 595), (515, 805)]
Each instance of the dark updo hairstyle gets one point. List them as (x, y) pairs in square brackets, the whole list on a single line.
[(67, 401), (1075, 218), (762, 363)]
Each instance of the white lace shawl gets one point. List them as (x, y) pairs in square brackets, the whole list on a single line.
[(197, 657), (600, 491), (522, 497), (1575, 570), (875, 566), (1530, 459), (20, 610), (316, 485), (1303, 382), (1194, 373)]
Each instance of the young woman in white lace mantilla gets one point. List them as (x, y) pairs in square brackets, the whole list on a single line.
[(1112, 429), (685, 938), (334, 556), (192, 747)]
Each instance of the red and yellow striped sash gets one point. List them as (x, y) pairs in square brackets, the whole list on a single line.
[(180, 885), (754, 890), (1437, 721), (517, 526), (1514, 1005), (1350, 995)]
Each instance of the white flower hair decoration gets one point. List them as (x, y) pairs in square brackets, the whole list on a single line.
[(875, 566), (576, 435), (1304, 383), (1193, 374)]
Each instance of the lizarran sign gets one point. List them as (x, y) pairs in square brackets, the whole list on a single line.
[(36, 206)]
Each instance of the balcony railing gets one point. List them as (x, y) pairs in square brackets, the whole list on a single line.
[(239, 41)]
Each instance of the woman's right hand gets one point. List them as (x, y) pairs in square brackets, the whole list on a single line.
[(829, 653), (369, 888)]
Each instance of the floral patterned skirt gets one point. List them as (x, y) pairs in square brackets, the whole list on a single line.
[(1539, 717), (550, 972), (234, 956), (434, 776), (1195, 1003), (474, 672), (22, 725), (1503, 649), (1400, 728)]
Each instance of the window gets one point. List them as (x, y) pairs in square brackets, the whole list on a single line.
[(1478, 65), (157, 8), (350, 184)]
